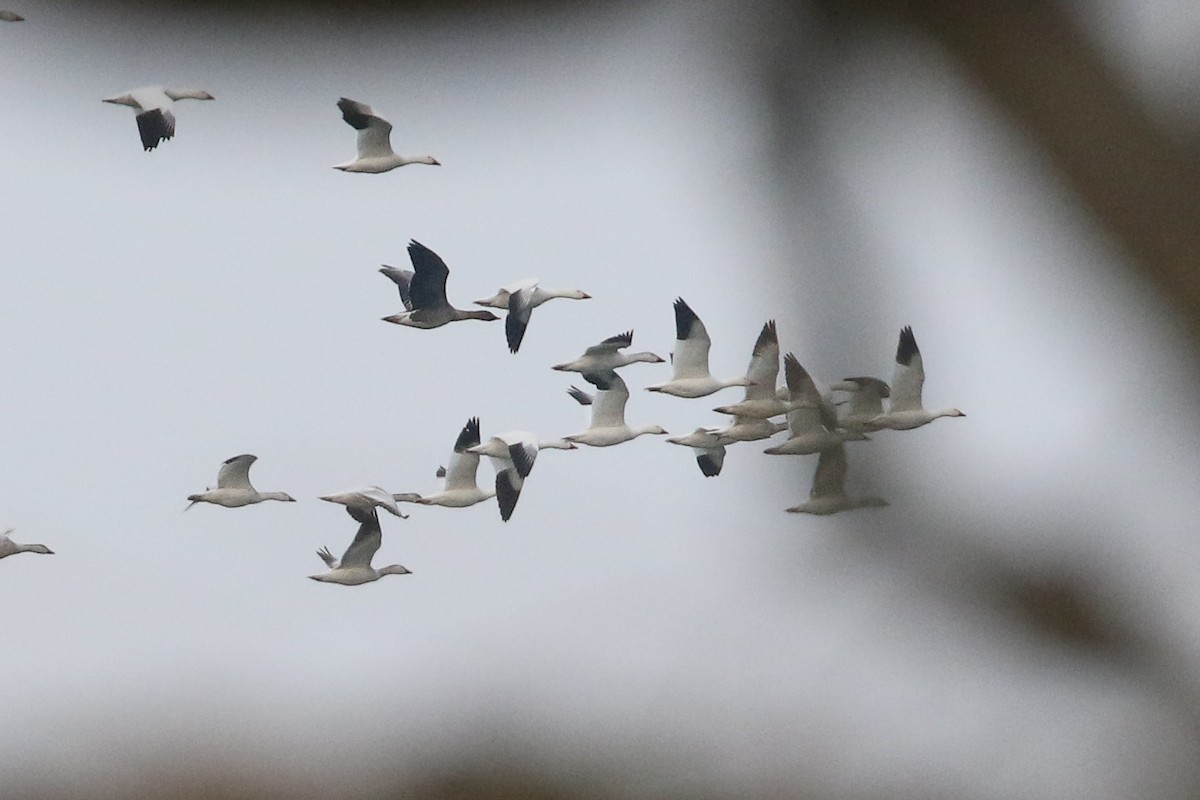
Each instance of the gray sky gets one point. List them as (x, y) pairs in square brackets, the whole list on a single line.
[(164, 311)]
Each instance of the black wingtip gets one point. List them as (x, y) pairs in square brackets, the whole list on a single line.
[(684, 318), (507, 494), (468, 436), (907, 346), (601, 380), (709, 466)]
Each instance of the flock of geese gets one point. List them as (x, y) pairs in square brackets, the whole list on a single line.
[(818, 418)]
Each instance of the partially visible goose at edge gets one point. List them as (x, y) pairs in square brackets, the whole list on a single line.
[(152, 105), (689, 360), (375, 152), (8, 547), (512, 455), (520, 299), (460, 489), (423, 292), (905, 411), (355, 568), (828, 495), (10, 16), (607, 355), (810, 425), (363, 499), (233, 486), (607, 425)]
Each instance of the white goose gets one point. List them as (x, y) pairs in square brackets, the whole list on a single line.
[(152, 105), (8, 547), (520, 299), (512, 455), (233, 486), (905, 411), (374, 141), (365, 498), (828, 495), (710, 453), (865, 403), (689, 361), (761, 400), (423, 292), (607, 356), (607, 425), (355, 568), (10, 16), (460, 489), (809, 421)]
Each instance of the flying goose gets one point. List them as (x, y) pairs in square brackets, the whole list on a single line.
[(423, 292), (365, 498), (828, 495), (689, 361), (761, 400), (152, 104), (608, 412), (809, 422), (233, 486), (520, 299), (865, 403), (355, 568), (8, 547), (512, 455), (710, 453), (374, 141), (607, 356), (905, 411), (460, 489)]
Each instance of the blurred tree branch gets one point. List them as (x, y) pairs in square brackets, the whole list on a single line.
[(1141, 181)]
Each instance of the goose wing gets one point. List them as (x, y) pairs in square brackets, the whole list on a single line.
[(235, 472), (867, 399), (690, 359), (328, 558), (608, 408), (520, 309), (830, 477), (366, 543), (807, 415), (611, 345), (909, 375), (508, 491), (403, 280), (374, 132), (155, 125), (710, 460), (763, 371), (428, 286), (463, 465)]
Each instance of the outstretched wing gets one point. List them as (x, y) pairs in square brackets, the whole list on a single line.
[(154, 126), (374, 132), (612, 344), (909, 375), (428, 286), (235, 472), (366, 543), (520, 309), (690, 359), (763, 371), (403, 280)]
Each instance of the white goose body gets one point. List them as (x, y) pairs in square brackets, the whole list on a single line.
[(809, 421), (152, 106), (354, 568), (520, 299), (828, 495), (461, 489), (906, 411), (375, 152), (689, 360), (608, 425), (607, 356), (233, 486), (363, 499), (423, 292), (10, 548), (512, 455)]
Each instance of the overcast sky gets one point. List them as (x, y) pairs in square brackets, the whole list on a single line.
[(163, 311)]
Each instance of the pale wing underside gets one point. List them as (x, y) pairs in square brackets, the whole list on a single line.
[(235, 472)]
